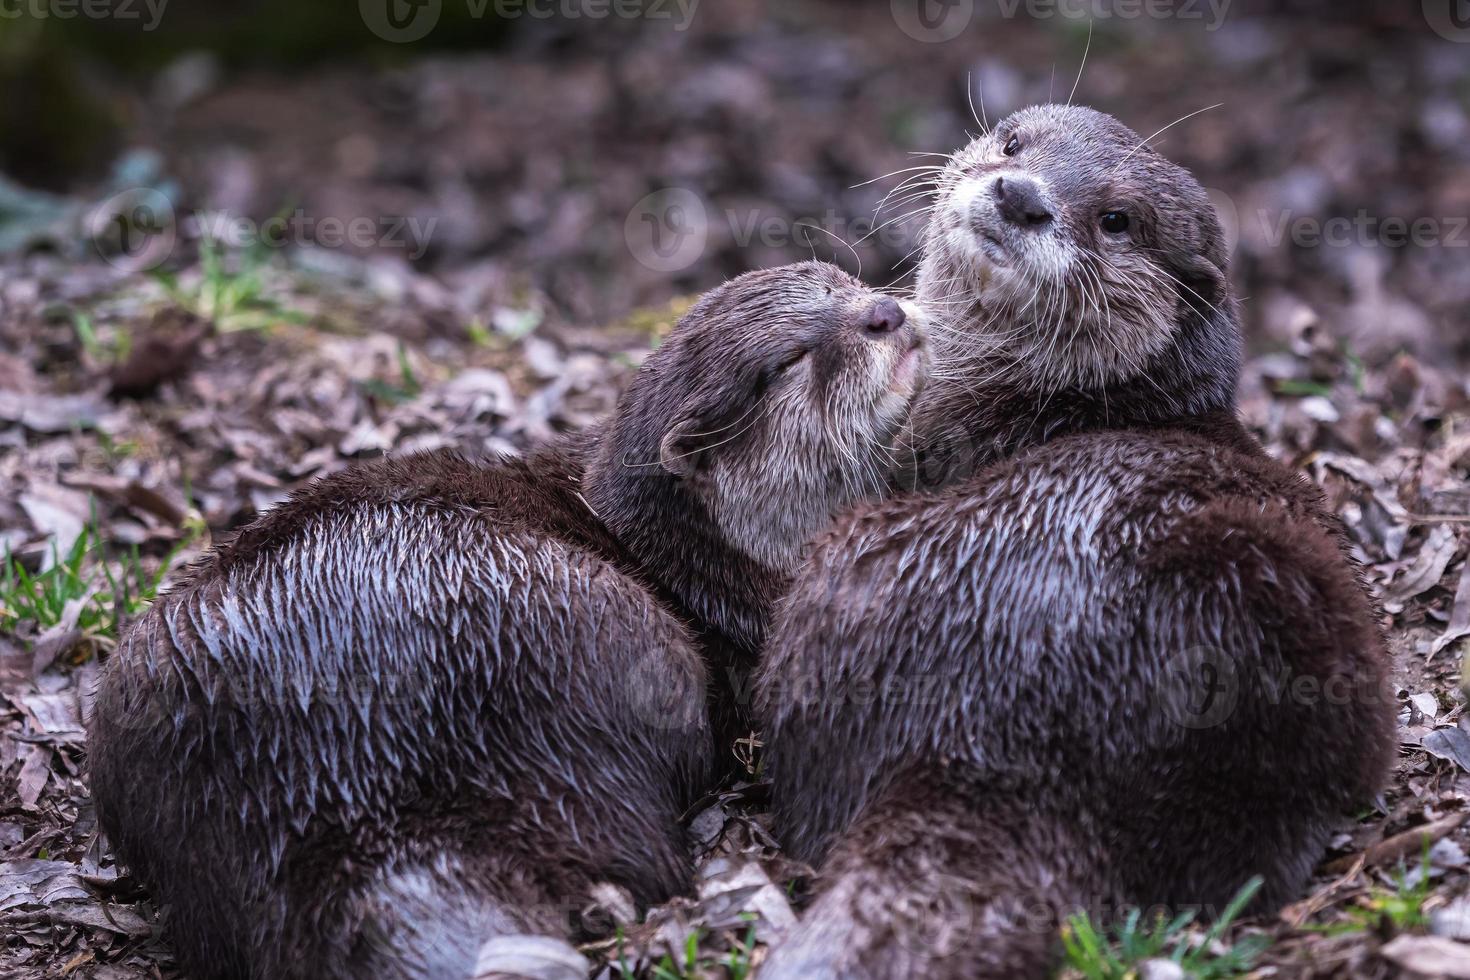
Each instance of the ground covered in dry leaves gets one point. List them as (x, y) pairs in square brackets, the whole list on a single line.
[(145, 411)]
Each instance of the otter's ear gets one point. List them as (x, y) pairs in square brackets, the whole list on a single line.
[(707, 419), (682, 446), (1204, 279)]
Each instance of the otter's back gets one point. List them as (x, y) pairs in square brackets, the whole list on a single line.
[(1029, 627), (374, 678)]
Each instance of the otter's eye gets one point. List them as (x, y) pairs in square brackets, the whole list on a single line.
[(1114, 222), (1012, 147)]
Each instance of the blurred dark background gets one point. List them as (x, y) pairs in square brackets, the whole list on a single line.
[(524, 137)]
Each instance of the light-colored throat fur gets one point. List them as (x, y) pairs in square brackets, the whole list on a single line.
[(1090, 330)]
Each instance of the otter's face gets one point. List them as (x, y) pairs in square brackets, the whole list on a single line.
[(1062, 247), (781, 394)]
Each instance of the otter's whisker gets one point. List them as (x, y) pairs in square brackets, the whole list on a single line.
[(928, 182), (1182, 285), (983, 119), (914, 182), (906, 189), (1144, 141), (908, 199), (762, 406), (908, 290), (903, 217), (909, 194), (1080, 67), (838, 238), (926, 168)]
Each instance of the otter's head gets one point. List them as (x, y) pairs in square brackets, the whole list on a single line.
[(772, 407), (1062, 252)]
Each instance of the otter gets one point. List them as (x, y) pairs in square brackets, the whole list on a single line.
[(1110, 653), (431, 702)]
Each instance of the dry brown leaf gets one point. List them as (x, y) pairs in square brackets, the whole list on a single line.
[(1459, 626), (33, 775), (1433, 956), (1451, 743), (530, 958), (1427, 568)]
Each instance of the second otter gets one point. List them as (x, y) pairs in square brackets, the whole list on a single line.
[(427, 702), (1125, 660)]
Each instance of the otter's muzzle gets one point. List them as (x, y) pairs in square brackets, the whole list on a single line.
[(1019, 202), (886, 317)]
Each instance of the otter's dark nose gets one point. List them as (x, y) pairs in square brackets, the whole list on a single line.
[(885, 317), (1019, 201)]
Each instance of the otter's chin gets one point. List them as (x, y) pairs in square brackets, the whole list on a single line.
[(991, 252), (901, 393), (908, 373), (987, 262), (909, 369)]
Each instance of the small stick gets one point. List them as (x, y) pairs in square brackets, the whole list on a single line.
[(1401, 845), (1298, 912)]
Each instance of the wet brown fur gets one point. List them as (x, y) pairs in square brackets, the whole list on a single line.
[(995, 700)]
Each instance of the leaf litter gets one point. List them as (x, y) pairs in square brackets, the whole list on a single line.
[(155, 412)]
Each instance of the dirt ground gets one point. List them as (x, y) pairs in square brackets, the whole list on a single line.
[(530, 219)]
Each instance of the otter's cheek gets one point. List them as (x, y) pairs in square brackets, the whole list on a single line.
[(906, 370), (961, 199), (914, 315), (968, 204)]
